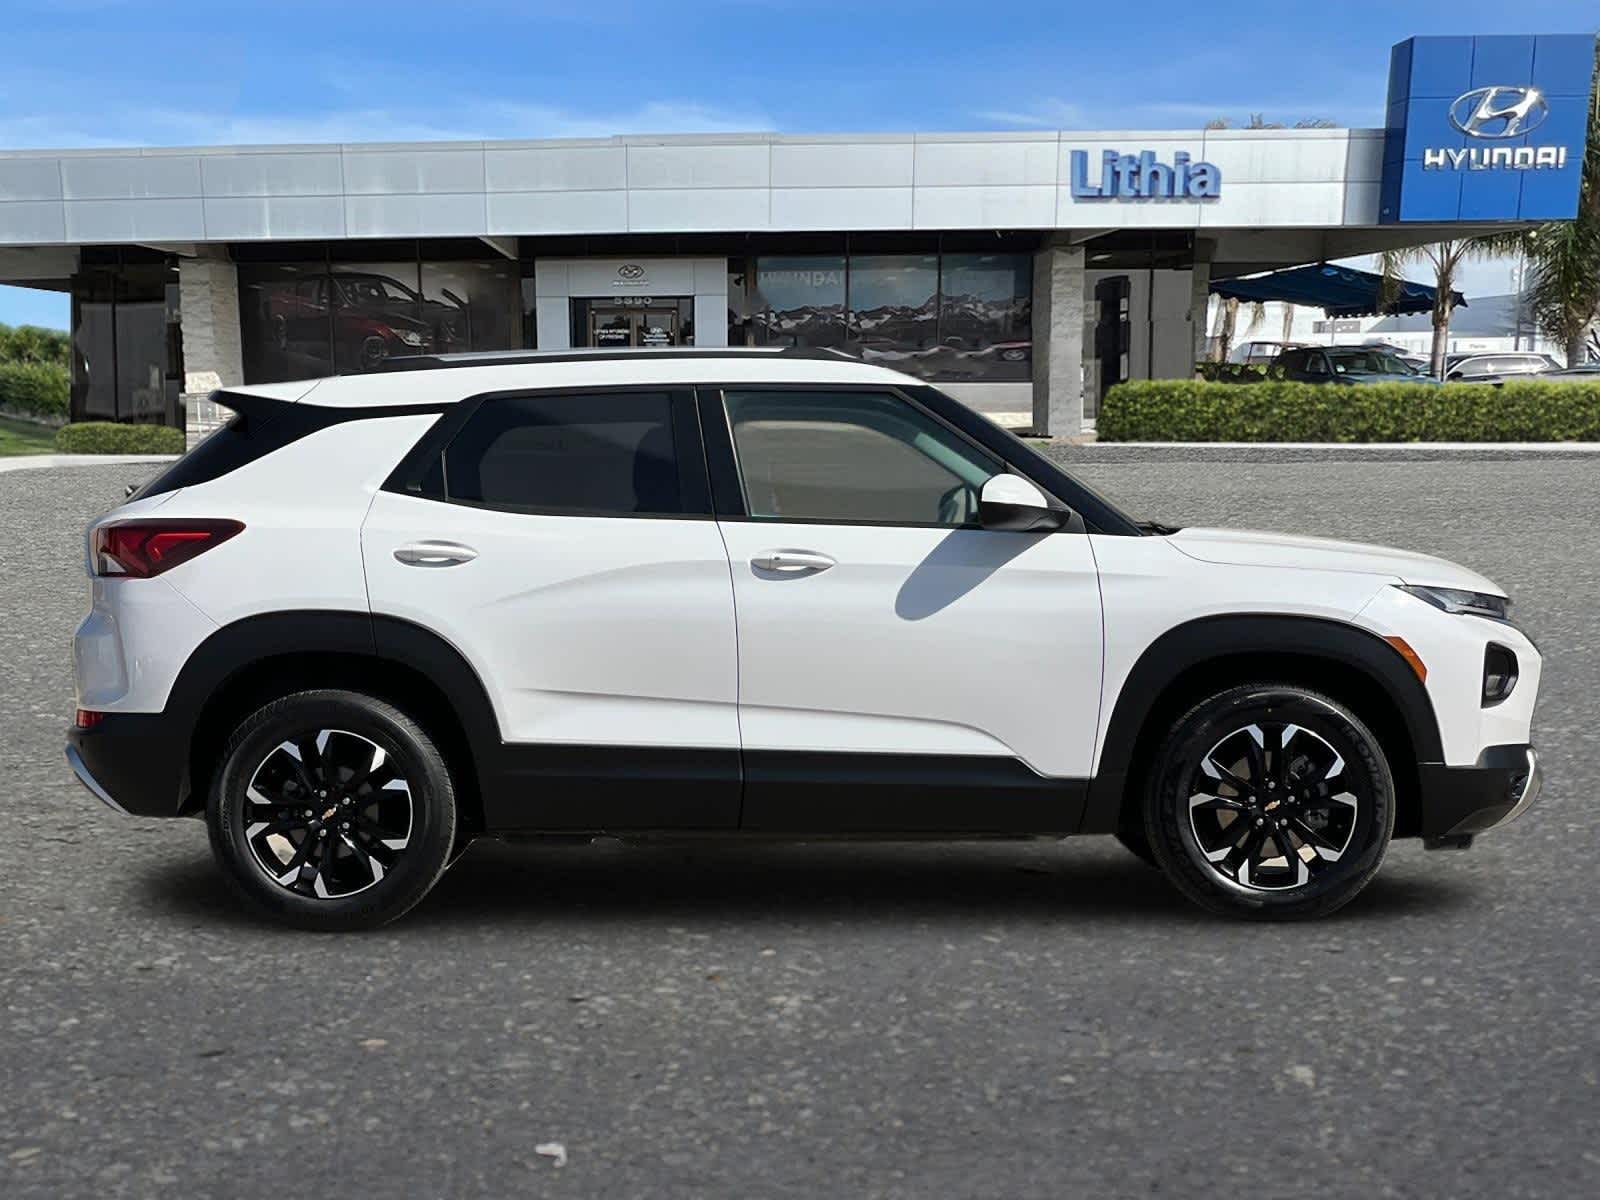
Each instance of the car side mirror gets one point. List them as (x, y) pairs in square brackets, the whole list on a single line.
[(1014, 504)]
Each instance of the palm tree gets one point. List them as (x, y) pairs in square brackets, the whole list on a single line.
[(1227, 321), (1445, 258), (1564, 256)]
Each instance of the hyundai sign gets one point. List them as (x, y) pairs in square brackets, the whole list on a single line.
[(1486, 128)]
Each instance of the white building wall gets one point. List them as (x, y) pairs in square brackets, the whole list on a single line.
[(1289, 178)]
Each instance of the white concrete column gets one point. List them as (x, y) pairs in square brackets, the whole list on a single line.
[(208, 296), (1058, 341)]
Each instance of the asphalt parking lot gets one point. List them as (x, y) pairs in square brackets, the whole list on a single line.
[(969, 1020)]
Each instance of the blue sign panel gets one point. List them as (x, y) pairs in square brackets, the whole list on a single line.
[(1486, 128)]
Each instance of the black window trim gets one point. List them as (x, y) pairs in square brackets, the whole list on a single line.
[(722, 492), (687, 448)]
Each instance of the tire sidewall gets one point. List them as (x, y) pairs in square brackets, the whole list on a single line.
[(1171, 833), (403, 741)]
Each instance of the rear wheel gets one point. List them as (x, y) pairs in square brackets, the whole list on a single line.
[(332, 810), (1270, 800)]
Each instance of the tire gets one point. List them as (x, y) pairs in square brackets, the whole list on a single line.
[(1135, 842), (1234, 757), (350, 859)]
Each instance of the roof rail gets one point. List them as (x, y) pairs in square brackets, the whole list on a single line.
[(506, 358)]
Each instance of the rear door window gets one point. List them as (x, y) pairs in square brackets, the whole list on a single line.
[(604, 454)]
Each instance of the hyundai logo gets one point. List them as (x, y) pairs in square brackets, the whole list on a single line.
[(630, 271), (1499, 112)]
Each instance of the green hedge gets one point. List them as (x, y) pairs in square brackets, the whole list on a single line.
[(108, 437), (1187, 410), (34, 389)]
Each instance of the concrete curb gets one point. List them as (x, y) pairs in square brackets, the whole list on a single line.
[(29, 462), (1332, 452)]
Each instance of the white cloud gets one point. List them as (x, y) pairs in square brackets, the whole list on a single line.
[(1045, 113), (465, 119)]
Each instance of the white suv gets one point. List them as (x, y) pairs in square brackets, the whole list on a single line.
[(778, 594)]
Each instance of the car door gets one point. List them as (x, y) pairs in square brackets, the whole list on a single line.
[(563, 543), (901, 668)]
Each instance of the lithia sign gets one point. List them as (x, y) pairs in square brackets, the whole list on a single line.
[(1143, 177)]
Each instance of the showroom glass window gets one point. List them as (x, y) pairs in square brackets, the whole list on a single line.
[(609, 454), (307, 319), (894, 309), (951, 316), (985, 317), (853, 456), (127, 349), (799, 300)]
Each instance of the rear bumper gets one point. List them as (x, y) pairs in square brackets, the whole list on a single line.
[(1459, 801), (130, 762)]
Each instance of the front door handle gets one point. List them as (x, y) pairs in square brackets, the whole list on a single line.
[(435, 554), (792, 562)]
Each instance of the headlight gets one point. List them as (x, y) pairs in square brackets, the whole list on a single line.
[(409, 336), (1454, 600)]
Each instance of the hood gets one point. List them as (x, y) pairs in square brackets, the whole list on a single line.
[(1250, 548)]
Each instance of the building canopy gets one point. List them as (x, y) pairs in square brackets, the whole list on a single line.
[(1338, 291)]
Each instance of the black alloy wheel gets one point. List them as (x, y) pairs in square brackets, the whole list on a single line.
[(332, 810), (1270, 800), (328, 813)]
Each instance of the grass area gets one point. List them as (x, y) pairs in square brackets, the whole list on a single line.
[(24, 437)]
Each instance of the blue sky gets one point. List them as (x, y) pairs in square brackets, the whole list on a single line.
[(145, 72)]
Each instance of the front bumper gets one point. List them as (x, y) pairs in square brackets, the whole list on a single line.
[(1458, 802)]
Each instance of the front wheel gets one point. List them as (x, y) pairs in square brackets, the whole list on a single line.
[(331, 810), (1270, 800)]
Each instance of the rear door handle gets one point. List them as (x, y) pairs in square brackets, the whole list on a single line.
[(435, 554), (792, 562)]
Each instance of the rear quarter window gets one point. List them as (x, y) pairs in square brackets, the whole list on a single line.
[(238, 443)]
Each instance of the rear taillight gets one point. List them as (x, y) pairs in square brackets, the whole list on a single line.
[(88, 718), (145, 548)]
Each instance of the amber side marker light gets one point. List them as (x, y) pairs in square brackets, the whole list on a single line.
[(1413, 659)]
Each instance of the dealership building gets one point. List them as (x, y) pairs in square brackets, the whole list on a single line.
[(1025, 272)]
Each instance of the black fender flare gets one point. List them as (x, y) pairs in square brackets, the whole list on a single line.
[(236, 648), (1186, 647)]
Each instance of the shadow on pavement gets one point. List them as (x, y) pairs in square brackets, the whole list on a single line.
[(960, 883)]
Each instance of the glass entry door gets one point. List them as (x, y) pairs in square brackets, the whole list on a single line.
[(613, 328)]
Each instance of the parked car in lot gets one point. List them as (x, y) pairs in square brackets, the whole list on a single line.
[(1492, 367), (1344, 364), (768, 594)]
